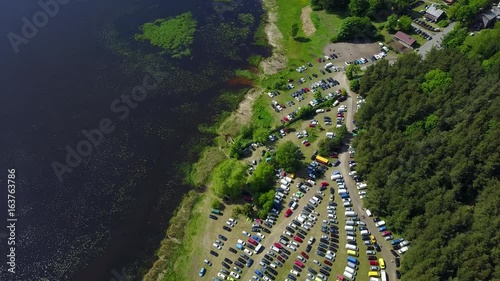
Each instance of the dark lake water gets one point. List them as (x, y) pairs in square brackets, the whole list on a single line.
[(111, 211)]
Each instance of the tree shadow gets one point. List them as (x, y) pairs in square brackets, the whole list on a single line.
[(302, 39)]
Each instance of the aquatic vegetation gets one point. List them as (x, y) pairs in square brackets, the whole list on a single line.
[(174, 35)]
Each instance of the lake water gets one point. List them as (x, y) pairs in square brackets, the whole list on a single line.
[(110, 212)]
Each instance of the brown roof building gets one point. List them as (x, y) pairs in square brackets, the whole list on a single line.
[(404, 38)]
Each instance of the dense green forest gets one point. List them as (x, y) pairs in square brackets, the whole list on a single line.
[(429, 150)]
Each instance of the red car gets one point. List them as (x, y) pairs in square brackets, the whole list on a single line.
[(306, 89), (373, 262), (304, 255), (340, 115), (288, 213), (386, 233), (306, 143), (327, 262), (253, 242), (312, 125), (324, 183), (298, 239), (286, 119), (334, 155), (280, 259), (278, 245)]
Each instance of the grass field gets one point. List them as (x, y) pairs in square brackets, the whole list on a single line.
[(302, 49)]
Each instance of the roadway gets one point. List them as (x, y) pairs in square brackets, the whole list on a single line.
[(351, 185), (437, 38)]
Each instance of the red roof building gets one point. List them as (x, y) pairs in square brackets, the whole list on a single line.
[(404, 38)]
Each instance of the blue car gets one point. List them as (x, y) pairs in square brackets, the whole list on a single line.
[(259, 273), (249, 262), (202, 272), (382, 228), (256, 238), (396, 241)]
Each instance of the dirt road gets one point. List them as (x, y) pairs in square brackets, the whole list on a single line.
[(351, 185)]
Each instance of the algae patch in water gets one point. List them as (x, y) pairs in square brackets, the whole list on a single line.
[(174, 35)]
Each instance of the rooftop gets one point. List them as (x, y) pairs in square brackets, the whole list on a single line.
[(404, 38), (434, 11)]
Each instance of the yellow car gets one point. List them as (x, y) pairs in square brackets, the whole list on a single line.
[(373, 239)]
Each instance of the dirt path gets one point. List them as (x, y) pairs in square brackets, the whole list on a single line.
[(307, 24), (244, 111), (278, 60)]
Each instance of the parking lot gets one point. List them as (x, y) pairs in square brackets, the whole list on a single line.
[(325, 221)]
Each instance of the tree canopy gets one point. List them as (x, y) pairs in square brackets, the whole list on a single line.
[(228, 178), (287, 156), (404, 23), (430, 156), (262, 177), (356, 28), (173, 35)]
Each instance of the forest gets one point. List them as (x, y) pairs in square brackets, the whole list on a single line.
[(428, 149)]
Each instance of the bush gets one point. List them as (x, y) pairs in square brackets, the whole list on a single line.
[(216, 204), (354, 85)]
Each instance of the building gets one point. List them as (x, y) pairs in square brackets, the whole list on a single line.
[(488, 18), (404, 39), (433, 13)]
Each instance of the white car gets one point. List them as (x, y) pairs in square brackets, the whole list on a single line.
[(248, 252), (287, 233), (222, 276), (235, 275), (362, 196), (331, 208), (295, 244), (220, 242), (291, 247), (301, 258), (260, 235), (241, 242), (233, 221), (346, 200), (361, 192), (311, 241), (245, 233), (316, 262), (230, 224), (371, 253), (374, 268), (299, 135), (217, 246), (294, 272), (403, 250), (311, 182)]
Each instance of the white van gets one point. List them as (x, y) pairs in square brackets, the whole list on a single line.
[(368, 213), (350, 213), (337, 176), (347, 275), (342, 190), (328, 65), (349, 228), (365, 232), (284, 182), (351, 247), (288, 179), (362, 186), (352, 265), (335, 103), (350, 270)]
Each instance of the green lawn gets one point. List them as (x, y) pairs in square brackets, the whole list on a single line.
[(303, 49)]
